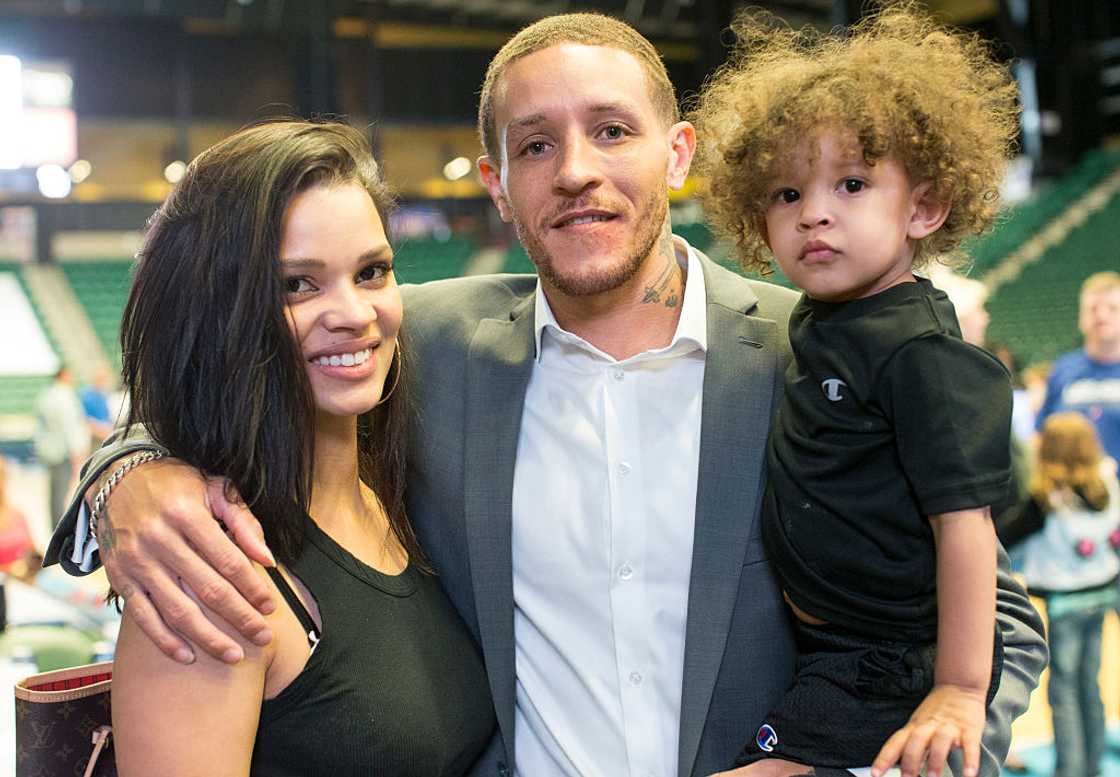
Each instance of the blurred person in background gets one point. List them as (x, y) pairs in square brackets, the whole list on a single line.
[(1035, 377), (62, 439), (1072, 563), (15, 538), (969, 297), (1088, 380), (95, 397), (1022, 412)]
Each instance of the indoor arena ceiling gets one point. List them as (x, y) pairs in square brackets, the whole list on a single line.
[(672, 19)]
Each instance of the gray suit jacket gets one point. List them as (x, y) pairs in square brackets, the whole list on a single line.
[(472, 348)]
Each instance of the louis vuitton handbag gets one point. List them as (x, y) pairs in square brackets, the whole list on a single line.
[(63, 723)]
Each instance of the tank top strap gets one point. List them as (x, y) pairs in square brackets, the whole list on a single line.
[(293, 600)]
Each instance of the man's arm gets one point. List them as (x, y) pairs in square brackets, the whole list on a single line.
[(1024, 658), (158, 529), (71, 544)]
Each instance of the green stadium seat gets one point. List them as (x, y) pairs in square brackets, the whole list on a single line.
[(102, 290), (1025, 219), (417, 261), (1036, 314)]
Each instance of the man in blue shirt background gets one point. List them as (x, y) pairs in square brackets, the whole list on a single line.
[(1088, 380)]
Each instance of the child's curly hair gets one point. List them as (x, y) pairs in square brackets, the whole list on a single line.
[(903, 85)]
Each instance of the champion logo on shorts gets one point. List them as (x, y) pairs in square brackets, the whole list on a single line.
[(766, 738)]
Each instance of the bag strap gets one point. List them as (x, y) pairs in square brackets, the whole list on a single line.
[(100, 739), (293, 600)]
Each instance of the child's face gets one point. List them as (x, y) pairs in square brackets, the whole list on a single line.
[(839, 228)]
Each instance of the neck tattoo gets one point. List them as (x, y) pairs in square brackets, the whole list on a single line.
[(664, 290)]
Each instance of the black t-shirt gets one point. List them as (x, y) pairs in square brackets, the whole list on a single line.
[(888, 416), (395, 685)]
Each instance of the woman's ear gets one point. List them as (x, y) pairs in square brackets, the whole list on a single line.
[(926, 214)]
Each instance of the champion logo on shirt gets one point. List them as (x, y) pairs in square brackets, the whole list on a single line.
[(766, 738), (831, 388)]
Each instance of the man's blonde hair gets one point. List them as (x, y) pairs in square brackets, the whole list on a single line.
[(586, 29), (1101, 281)]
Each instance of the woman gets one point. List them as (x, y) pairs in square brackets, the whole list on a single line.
[(261, 341)]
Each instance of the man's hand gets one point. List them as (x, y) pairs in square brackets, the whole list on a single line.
[(158, 536), (950, 716)]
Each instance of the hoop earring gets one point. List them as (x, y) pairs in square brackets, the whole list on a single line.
[(399, 361)]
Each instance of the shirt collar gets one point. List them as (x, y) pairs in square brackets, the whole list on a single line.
[(692, 327)]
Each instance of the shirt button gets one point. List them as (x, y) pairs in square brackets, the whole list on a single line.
[(625, 572), (635, 678), (618, 373), (623, 468)]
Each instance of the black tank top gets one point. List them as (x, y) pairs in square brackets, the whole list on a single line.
[(394, 684)]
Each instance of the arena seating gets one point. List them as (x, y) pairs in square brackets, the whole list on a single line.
[(18, 392), (698, 235), (1022, 221), (420, 260), (1036, 314), (1037, 325), (517, 260), (102, 289)]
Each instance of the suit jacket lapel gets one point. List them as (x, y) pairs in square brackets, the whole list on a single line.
[(498, 369), (739, 379)]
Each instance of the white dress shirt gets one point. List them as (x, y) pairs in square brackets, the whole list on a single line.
[(604, 502)]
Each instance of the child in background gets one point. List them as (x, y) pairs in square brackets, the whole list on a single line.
[(1072, 563), (854, 161)]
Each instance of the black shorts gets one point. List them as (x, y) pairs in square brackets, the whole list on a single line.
[(849, 694)]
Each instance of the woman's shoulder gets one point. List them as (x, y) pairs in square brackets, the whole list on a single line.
[(219, 703)]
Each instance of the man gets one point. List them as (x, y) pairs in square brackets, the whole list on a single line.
[(589, 455), (61, 437), (1088, 380)]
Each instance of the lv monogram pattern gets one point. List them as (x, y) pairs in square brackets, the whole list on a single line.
[(55, 728)]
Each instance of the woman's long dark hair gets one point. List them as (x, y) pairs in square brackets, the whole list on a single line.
[(213, 370)]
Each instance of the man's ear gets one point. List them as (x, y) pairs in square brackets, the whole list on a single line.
[(492, 179), (927, 214), (682, 147)]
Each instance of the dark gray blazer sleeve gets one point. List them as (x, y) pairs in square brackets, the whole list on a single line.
[(120, 443), (1024, 657)]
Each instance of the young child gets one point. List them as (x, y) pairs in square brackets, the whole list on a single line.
[(1072, 562), (854, 160)]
